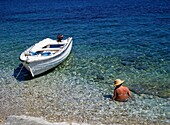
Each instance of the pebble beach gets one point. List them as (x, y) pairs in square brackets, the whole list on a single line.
[(66, 99)]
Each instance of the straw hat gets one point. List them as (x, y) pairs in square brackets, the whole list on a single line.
[(118, 82)]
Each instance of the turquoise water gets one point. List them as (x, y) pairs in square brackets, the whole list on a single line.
[(121, 39), (129, 40)]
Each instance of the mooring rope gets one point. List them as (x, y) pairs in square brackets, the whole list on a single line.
[(20, 71)]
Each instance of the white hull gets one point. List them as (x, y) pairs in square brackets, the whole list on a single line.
[(44, 64)]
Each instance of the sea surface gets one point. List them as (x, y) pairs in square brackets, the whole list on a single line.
[(125, 39)]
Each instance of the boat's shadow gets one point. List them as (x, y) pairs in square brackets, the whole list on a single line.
[(22, 74)]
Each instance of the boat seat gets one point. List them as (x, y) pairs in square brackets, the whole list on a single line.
[(49, 49)]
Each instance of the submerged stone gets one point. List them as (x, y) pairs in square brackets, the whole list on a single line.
[(142, 67), (126, 63), (100, 77)]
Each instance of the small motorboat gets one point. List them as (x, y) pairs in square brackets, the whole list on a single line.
[(45, 55)]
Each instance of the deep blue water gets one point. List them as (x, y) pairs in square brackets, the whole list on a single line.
[(123, 39)]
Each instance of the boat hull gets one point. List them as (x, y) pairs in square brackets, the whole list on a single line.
[(39, 67)]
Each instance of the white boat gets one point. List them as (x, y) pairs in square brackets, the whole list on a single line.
[(45, 55)]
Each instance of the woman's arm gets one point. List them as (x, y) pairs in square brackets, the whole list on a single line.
[(114, 95)]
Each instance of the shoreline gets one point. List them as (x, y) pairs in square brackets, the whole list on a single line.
[(28, 120), (35, 120)]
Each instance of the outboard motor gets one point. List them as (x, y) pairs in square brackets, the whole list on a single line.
[(59, 37)]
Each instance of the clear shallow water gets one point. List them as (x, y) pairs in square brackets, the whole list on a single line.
[(112, 39), (127, 40)]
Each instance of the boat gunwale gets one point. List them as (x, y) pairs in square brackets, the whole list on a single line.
[(49, 57)]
